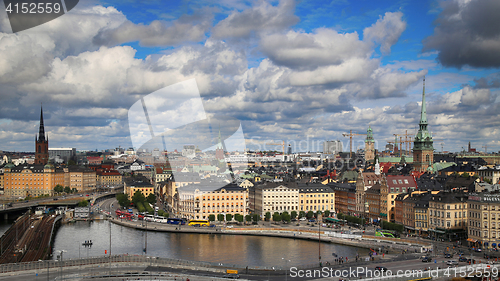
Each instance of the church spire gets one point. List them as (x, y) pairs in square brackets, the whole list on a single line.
[(423, 113), (41, 132)]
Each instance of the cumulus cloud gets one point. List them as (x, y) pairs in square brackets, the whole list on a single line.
[(188, 28), (258, 19), (386, 31), (310, 50), (467, 33)]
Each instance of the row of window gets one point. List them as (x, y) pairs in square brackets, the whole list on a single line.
[(440, 214), (477, 233), (322, 201)]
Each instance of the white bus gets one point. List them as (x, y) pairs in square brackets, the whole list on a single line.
[(149, 218), (161, 219)]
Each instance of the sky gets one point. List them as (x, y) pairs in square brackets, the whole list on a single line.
[(296, 71)]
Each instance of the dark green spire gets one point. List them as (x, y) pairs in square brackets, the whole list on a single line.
[(423, 139), (369, 135), (423, 113)]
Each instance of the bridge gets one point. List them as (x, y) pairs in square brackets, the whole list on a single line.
[(15, 209)]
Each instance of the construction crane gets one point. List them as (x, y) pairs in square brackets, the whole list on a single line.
[(350, 140), (280, 144)]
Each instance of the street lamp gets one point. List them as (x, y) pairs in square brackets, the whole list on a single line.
[(286, 268)]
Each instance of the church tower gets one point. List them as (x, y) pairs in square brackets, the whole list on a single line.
[(369, 145), (41, 144), (423, 150), (219, 149)]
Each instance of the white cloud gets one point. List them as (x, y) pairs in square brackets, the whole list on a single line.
[(386, 31)]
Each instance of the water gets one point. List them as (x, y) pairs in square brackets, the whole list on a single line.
[(231, 249)]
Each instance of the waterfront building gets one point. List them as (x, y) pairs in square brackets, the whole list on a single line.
[(274, 197), (396, 185), (448, 215), (316, 197), (31, 180), (345, 197), (423, 150), (41, 144), (364, 181), (79, 178), (142, 184), (199, 201), (483, 214), (178, 180)]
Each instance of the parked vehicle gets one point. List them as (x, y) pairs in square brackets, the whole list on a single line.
[(452, 262)]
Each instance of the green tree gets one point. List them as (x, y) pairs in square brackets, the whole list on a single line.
[(309, 214), (239, 218), (138, 197), (465, 175), (327, 213), (255, 217), (58, 188), (286, 217), (248, 218), (293, 214), (220, 217), (229, 217), (140, 207), (276, 217), (268, 216), (302, 214), (67, 189), (123, 199), (74, 190), (71, 163), (83, 203), (211, 217), (151, 199), (318, 213)]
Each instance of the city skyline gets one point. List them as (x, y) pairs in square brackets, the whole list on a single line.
[(288, 71)]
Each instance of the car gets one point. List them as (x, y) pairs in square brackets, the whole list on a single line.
[(231, 276), (312, 220), (452, 262), (294, 219), (426, 259), (448, 256), (380, 268), (478, 250), (463, 259), (302, 219)]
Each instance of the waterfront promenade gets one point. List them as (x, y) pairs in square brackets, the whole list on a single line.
[(322, 234)]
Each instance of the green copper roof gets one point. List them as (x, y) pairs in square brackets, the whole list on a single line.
[(423, 139), (369, 135)]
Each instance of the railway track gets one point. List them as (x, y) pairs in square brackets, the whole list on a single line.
[(30, 243)]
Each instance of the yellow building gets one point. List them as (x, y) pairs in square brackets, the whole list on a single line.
[(316, 197), (109, 178), (179, 180), (80, 178), (199, 201), (142, 185), (31, 180), (448, 215), (483, 219)]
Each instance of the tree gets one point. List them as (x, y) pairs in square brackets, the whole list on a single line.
[(83, 203), (220, 217), (211, 217), (239, 218), (67, 189), (293, 214), (318, 213), (302, 214), (285, 217), (309, 214), (248, 218), (138, 197), (151, 198), (229, 217), (71, 163), (255, 217), (58, 188), (276, 217), (123, 199), (268, 216), (74, 190), (327, 213)]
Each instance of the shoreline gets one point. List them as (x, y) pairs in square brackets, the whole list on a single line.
[(326, 236)]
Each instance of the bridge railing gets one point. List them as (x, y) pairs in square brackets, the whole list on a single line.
[(103, 260)]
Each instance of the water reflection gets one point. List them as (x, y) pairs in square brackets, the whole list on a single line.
[(233, 249)]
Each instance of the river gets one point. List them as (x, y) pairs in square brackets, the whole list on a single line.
[(241, 250)]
